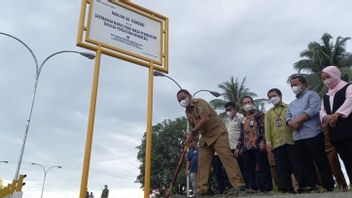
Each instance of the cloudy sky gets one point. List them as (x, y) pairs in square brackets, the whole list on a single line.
[(210, 41)]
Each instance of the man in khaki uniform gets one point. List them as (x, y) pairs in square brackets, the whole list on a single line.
[(214, 138)]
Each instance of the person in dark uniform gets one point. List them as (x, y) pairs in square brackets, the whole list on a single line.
[(214, 138)]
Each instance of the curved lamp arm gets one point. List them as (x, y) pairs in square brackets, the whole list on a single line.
[(85, 54), (156, 73), (214, 93), (29, 49)]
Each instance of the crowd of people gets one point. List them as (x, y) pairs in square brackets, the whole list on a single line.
[(294, 146)]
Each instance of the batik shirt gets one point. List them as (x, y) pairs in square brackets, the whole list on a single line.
[(252, 132)]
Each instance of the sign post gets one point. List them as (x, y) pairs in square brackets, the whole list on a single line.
[(129, 32), (148, 149)]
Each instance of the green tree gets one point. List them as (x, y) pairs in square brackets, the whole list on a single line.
[(167, 143), (234, 91), (319, 55)]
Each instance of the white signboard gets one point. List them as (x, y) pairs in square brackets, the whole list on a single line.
[(116, 27)]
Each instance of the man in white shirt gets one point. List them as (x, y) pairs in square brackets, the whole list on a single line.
[(233, 125)]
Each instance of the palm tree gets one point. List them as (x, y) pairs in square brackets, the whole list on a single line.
[(320, 55), (232, 91)]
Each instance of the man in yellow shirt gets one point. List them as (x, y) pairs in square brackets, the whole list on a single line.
[(279, 139)]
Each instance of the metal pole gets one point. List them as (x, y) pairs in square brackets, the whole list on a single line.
[(187, 186), (43, 184), (149, 134), (37, 74), (32, 104), (89, 138), (45, 173)]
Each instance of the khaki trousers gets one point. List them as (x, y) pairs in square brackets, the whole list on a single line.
[(333, 160), (206, 154)]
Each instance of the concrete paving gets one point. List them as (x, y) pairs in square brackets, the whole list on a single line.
[(278, 195)]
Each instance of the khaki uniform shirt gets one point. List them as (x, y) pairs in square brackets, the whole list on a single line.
[(213, 128), (277, 133)]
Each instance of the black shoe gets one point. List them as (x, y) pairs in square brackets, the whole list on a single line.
[(330, 189), (250, 191), (210, 192), (301, 190), (205, 194), (312, 189)]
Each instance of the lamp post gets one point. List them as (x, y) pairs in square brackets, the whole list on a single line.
[(156, 73), (37, 75), (45, 173)]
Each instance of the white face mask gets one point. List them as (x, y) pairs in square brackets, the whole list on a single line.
[(296, 89), (185, 102), (275, 100), (331, 82), (248, 107), (230, 113)]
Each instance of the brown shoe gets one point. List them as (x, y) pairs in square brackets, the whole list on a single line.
[(235, 192)]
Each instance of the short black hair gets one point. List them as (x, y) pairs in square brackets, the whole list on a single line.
[(183, 91), (275, 90), (300, 77), (247, 97), (230, 104)]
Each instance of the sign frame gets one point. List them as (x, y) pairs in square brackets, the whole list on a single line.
[(84, 32)]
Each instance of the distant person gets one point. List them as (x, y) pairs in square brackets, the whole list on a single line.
[(279, 140), (91, 195), (252, 146), (205, 121), (336, 114), (105, 193), (303, 118), (191, 165)]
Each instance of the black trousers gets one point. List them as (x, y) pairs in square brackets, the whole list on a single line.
[(257, 179), (285, 161), (309, 151), (240, 162), (220, 175), (344, 149)]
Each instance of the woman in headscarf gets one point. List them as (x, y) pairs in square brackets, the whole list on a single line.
[(335, 113)]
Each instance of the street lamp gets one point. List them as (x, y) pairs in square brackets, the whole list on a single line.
[(159, 74), (38, 72), (214, 93), (156, 73), (45, 172)]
